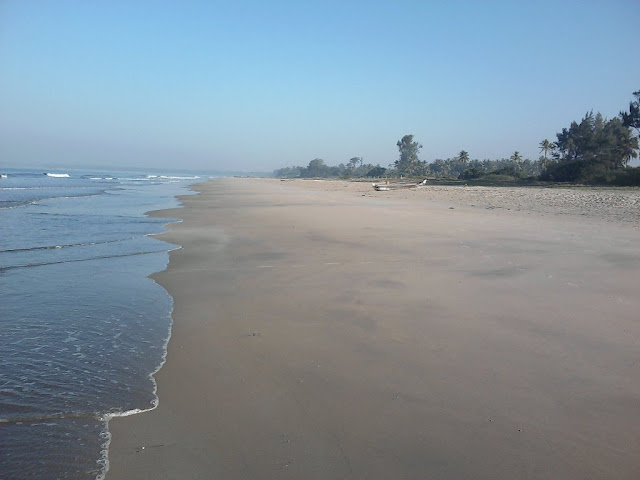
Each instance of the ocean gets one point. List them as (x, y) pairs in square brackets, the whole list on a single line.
[(82, 326)]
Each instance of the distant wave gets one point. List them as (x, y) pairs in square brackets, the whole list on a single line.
[(170, 177), (48, 187), (53, 416), (4, 205), (101, 417), (137, 179), (99, 257), (4, 175), (56, 247), (58, 175)]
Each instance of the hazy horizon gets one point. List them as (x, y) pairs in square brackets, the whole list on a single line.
[(253, 86)]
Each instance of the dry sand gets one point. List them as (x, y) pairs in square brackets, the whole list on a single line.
[(326, 331)]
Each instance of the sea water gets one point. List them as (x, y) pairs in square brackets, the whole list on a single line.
[(82, 327)]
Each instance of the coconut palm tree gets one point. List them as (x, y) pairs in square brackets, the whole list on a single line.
[(516, 160), (632, 119), (516, 157), (463, 157), (626, 149), (546, 146)]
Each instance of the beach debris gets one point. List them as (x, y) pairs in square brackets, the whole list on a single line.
[(384, 187), (157, 445), (255, 334)]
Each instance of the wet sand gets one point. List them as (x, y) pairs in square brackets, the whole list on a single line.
[(323, 330)]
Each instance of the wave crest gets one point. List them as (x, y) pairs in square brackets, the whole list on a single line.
[(58, 175)]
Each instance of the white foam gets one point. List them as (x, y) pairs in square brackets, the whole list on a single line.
[(106, 434), (58, 175), (168, 177), (172, 177), (104, 460)]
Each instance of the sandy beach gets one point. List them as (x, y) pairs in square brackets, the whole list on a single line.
[(323, 330)]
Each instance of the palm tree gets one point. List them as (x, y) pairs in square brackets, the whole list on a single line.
[(632, 119), (546, 146), (516, 159), (463, 157), (627, 149)]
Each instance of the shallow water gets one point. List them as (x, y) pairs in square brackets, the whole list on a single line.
[(82, 327)]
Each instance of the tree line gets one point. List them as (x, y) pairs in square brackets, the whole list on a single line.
[(594, 150), (354, 168)]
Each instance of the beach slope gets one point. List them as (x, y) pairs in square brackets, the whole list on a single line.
[(324, 331)]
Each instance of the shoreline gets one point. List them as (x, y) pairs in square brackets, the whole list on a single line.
[(107, 418), (319, 332)]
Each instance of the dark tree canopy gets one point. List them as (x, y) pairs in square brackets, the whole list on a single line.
[(376, 172), (592, 149), (408, 163), (596, 140), (354, 161), (632, 118), (317, 168)]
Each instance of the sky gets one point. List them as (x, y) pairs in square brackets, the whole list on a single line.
[(258, 85)]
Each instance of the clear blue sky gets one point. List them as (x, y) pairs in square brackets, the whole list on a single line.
[(256, 85)]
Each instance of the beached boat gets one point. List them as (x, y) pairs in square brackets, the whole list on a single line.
[(383, 187)]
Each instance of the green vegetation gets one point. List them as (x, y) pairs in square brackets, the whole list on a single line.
[(595, 151), (318, 169), (592, 151), (409, 164), (632, 118)]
